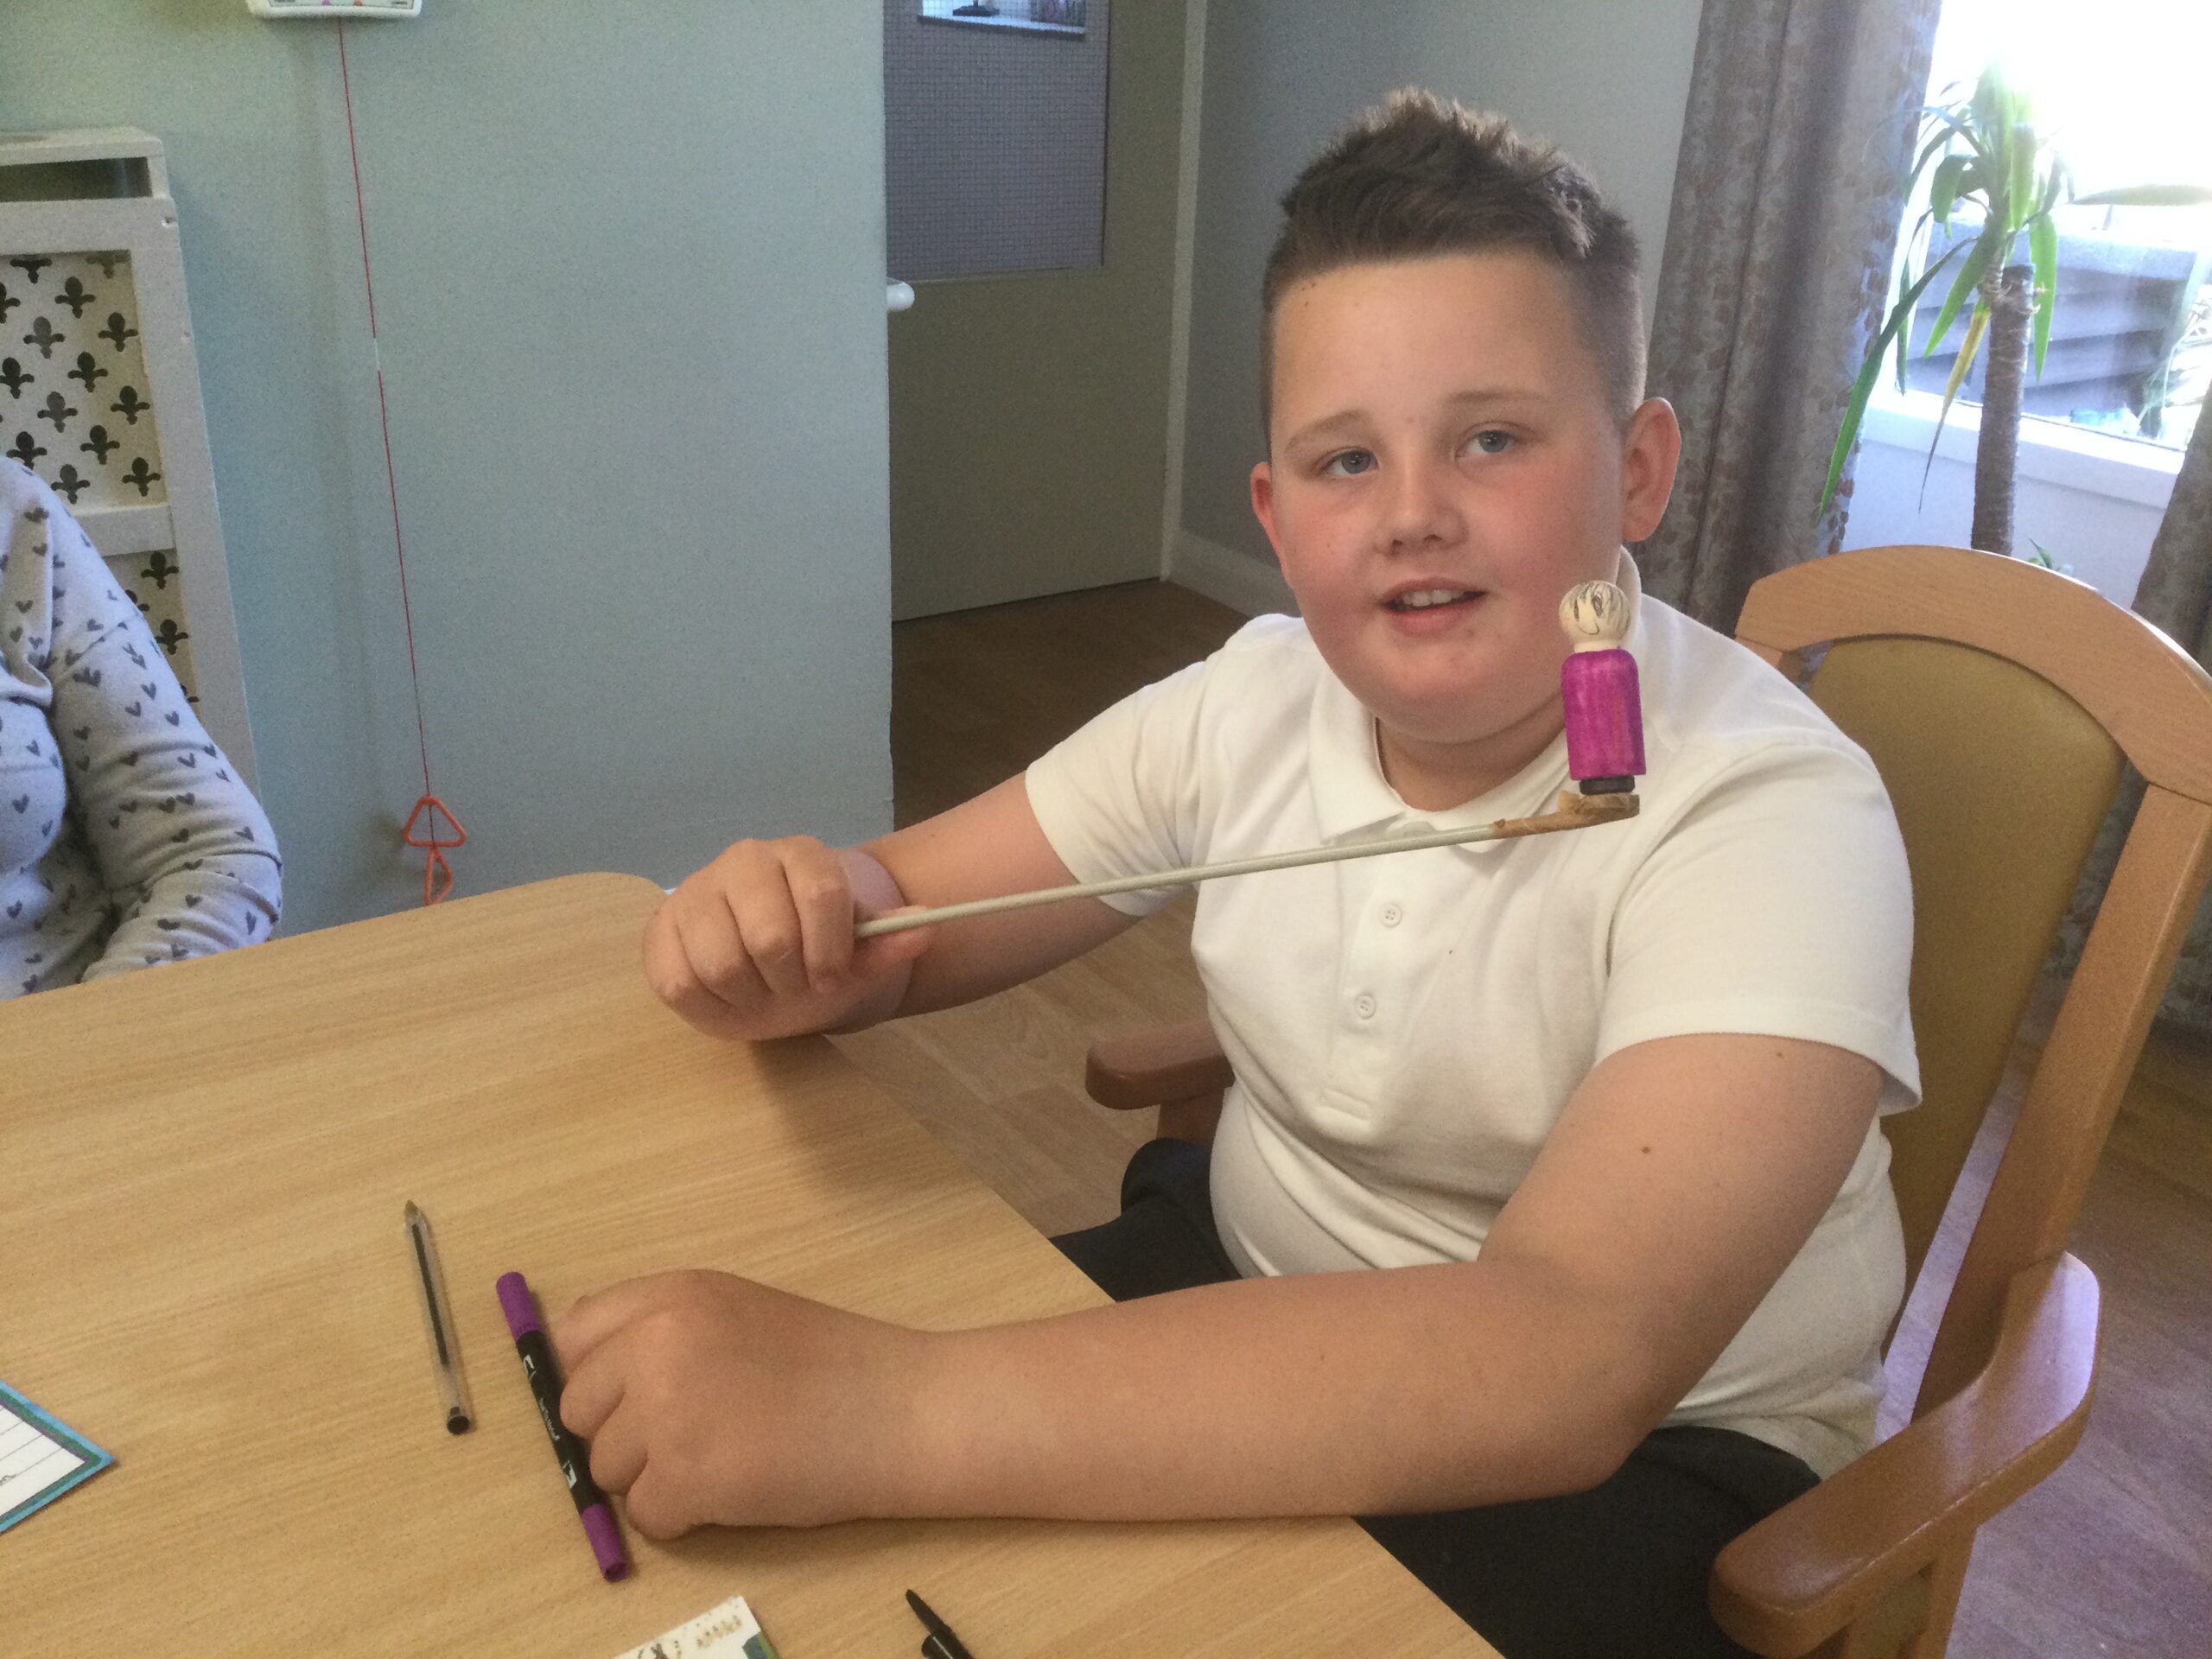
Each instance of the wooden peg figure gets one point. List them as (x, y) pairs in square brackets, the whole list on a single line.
[(1598, 687)]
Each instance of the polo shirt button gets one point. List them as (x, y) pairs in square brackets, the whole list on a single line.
[(1392, 915), (1363, 1005)]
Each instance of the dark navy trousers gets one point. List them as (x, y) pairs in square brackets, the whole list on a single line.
[(1618, 1572)]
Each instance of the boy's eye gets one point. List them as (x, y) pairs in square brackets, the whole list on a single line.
[(1349, 463), (1491, 443)]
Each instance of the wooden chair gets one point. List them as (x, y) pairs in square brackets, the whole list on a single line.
[(1998, 700)]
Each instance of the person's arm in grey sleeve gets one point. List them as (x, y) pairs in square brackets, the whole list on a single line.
[(187, 854)]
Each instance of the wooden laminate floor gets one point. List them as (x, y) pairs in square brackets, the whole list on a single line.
[(2113, 1555)]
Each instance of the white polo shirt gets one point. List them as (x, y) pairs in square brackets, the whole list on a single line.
[(1406, 1030)]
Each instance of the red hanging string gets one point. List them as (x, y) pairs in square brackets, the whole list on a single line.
[(434, 861)]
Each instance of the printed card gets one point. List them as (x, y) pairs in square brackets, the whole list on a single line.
[(728, 1631), (40, 1460)]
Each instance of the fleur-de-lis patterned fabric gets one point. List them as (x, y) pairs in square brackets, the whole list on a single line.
[(76, 408), (73, 397), (125, 837)]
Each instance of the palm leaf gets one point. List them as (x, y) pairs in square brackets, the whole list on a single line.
[(1985, 108), (1951, 180), (1936, 142), (1854, 409), (2056, 179), (1976, 326), (1904, 333), (1952, 119), (2043, 249), (2020, 181), (1979, 263)]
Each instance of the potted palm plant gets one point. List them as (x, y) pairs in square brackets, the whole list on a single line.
[(1986, 152)]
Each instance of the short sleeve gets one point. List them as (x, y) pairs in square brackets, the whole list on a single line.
[(1777, 904), (1120, 797)]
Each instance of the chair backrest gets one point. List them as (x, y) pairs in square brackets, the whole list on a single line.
[(1998, 700)]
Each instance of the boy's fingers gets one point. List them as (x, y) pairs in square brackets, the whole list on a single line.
[(708, 948), (768, 926), (715, 975), (669, 971), (591, 1319), (590, 1393), (824, 904), (881, 954), (618, 1449), (654, 1510)]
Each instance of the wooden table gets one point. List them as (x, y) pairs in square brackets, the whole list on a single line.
[(202, 1269)]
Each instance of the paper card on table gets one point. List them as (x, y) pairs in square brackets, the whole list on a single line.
[(728, 1630), (40, 1460)]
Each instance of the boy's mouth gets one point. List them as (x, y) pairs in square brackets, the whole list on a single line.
[(1432, 599)]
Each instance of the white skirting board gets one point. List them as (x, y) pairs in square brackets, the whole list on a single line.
[(1229, 577)]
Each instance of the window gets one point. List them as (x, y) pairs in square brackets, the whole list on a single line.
[(2118, 89)]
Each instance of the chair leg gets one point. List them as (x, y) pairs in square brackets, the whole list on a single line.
[(1947, 1577), (1857, 1641), (1890, 1628)]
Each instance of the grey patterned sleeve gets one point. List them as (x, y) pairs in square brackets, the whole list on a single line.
[(187, 853)]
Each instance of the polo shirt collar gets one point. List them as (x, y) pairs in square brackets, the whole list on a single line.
[(1353, 800)]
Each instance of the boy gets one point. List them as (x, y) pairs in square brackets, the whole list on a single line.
[(1603, 1102)]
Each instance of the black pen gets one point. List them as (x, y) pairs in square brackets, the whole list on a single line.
[(940, 1643), (434, 1314)]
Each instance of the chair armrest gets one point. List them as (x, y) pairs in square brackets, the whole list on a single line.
[(1152, 1068), (1810, 1569)]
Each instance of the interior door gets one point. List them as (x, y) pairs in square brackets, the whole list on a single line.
[(1029, 409)]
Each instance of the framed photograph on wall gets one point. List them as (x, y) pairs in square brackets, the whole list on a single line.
[(1027, 17)]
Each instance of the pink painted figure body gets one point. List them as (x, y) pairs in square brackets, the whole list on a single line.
[(1598, 687)]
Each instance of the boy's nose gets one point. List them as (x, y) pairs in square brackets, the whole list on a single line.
[(1422, 509)]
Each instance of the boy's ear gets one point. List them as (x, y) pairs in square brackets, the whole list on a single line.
[(1263, 505), (1650, 452)]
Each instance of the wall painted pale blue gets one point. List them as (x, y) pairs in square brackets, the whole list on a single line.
[(629, 275), (1606, 83)]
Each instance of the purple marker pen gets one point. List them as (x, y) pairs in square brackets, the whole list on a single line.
[(521, 1309)]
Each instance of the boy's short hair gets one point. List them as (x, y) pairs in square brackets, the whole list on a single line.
[(1416, 177)]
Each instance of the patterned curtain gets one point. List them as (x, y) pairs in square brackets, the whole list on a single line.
[(1787, 196), (2176, 594)]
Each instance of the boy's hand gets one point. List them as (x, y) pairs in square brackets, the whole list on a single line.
[(710, 1399), (759, 943)]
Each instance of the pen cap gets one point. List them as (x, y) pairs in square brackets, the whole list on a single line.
[(516, 1303), (606, 1542)]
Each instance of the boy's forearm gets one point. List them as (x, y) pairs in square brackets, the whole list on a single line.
[(1351, 1392), (981, 848), (875, 890)]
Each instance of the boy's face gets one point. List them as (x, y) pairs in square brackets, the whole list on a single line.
[(1439, 426)]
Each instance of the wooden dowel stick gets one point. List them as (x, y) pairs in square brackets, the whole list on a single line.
[(1574, 811)]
